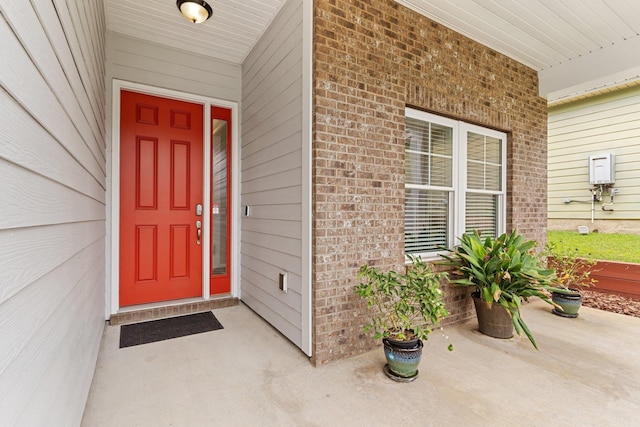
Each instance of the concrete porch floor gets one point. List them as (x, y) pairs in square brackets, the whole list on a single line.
[(249, 375)]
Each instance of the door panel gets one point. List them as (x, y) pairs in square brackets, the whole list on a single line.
[(161, 143)]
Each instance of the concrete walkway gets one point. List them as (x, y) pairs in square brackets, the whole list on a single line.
[(587, 373)]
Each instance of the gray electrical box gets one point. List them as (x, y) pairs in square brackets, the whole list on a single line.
[(602, 169)]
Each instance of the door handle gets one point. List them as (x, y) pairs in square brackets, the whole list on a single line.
[(199, 231)]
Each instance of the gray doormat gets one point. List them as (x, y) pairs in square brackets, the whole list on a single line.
[(164, 329)]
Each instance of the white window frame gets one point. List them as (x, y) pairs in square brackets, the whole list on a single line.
[(457, 198)]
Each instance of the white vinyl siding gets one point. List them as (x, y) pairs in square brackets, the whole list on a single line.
[(454, 181), (52, 215), (272, 174), (139, 61), (608, 123)]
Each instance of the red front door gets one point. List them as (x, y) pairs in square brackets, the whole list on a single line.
[(161, 179)]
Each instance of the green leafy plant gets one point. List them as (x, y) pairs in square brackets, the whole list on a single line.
[(572, 272), (406, 305), (503, 270)]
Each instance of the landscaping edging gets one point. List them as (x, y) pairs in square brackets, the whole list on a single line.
[(621, 278)]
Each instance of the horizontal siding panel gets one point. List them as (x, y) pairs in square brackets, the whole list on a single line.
[(24, 142), (289, 131), (277, 227), (580, 207), (67, 381), (267, 281), (291, 212), (34, 200), (601, 114), (278, 41), (589, 141), (34, 38), (91, 105), (571, 170), (51, 246), (135, 60), (288, 167), (19, 325), (287, 122), (611, 129), (272, 146), (291, 331), (627, 164), (287, 305), (269, 274), (570, 174), (278, 196), (285, 245), (586, 215), (57, 334), (283, 261), (577, 184), (287, 320), (80, 40), (260, 153), (284, 83), (29, 88), (595, 105), (164, 66), (279, 59)]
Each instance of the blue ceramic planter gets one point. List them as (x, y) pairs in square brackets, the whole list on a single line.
[(402, 362), (570, 303)]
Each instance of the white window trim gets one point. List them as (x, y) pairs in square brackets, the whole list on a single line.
[(459, 178)]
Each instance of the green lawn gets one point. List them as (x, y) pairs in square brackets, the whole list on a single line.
[(608, 247)]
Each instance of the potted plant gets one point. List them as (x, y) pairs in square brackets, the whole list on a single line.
[(404, 307), (573, 273), (504, 271)]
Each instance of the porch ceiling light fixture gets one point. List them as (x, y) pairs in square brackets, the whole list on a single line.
[(196, 11)]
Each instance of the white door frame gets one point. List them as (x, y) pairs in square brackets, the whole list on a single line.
[(113, 193)]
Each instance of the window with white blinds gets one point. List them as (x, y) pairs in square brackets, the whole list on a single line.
[(454, 181), (484, 183)]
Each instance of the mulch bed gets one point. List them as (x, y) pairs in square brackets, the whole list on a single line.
[(610, 302)]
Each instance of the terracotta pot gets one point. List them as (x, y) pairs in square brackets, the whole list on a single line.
[(493, 319)]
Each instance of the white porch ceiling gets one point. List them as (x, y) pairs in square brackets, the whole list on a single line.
[(577, 46), (230, 33)]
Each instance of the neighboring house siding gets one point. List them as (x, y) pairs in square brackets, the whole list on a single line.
[(371, 60), (272, 141), (52, 209), (607, 123)]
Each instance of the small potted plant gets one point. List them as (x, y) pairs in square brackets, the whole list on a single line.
[(573, 273), (404, 307), (504, 271)]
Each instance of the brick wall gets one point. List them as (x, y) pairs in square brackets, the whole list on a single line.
[(372, 58)]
